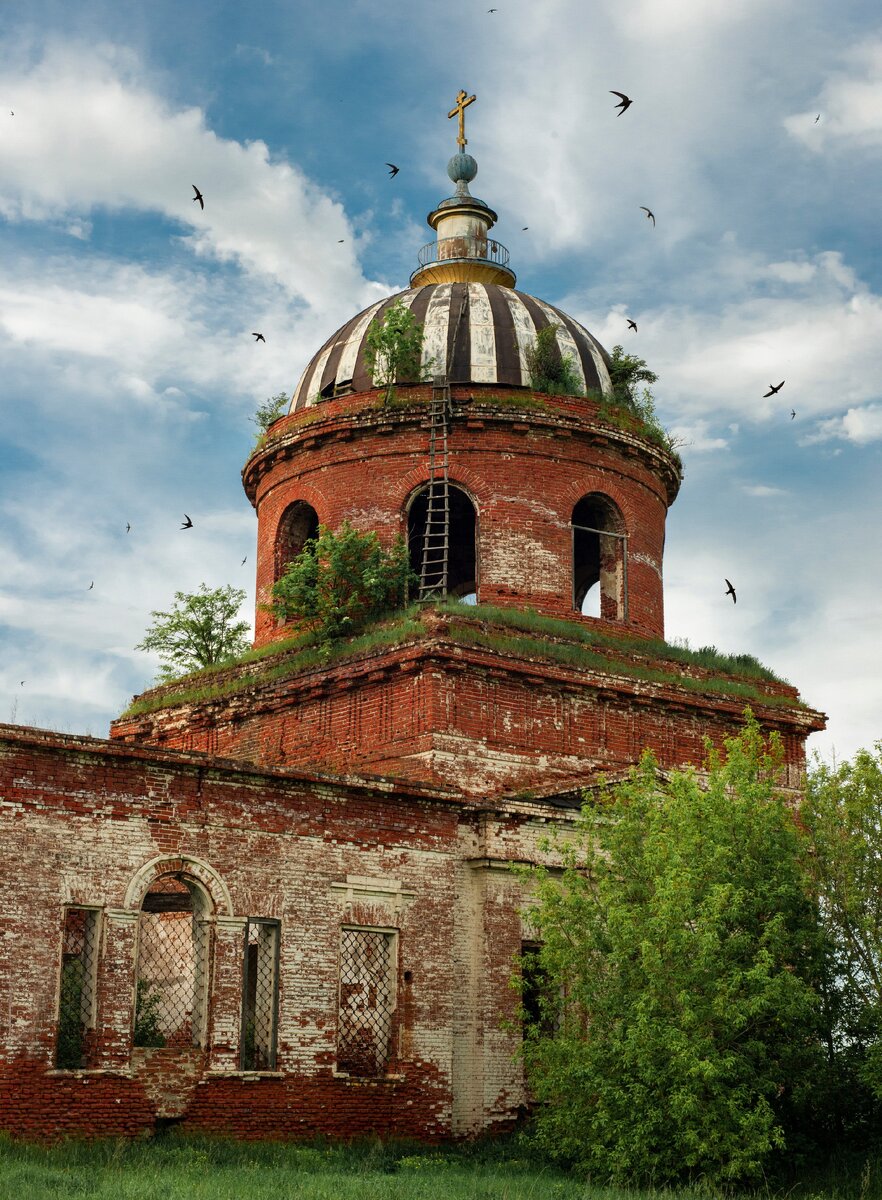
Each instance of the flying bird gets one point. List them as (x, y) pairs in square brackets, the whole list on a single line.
[(244, 560), (650, 215), (817, 118), (632, 324), (187, 524), (730, 591), (393, 170), (258, 337), (198, 196), (128, 527), (625, 102), (340, 241), (489, 10), (524, 230), (772, 389), (91, 585), (792, 413)]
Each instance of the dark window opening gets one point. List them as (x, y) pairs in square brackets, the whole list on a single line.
[(76, 1007), (600, 584), (457, 551), (174, 951), (260, 995), (366, 1001), (298, 525), (540, 1006), (342, 387)]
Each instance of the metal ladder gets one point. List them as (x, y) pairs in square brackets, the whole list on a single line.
[(436, 538)]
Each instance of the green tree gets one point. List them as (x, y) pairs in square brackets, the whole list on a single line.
[(626, 373), (684, 940), (842, 815), (393, 348), (550, 371), (342, 580), (200, 630), (269, 412)]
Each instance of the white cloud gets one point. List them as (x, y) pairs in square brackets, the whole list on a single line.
[(696, 437), (762, 490), (858, 425), (849, 104), (90, 135)]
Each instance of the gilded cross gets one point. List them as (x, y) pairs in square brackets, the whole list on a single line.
[(462, 102)]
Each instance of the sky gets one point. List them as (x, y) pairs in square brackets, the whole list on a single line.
[(128, 373)]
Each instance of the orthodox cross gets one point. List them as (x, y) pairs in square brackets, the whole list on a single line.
[(462, 102)]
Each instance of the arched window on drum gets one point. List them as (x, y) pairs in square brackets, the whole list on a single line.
[(442, 536), (600, 559), (298, 525)]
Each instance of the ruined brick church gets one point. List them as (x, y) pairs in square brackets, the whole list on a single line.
[(279, 899)]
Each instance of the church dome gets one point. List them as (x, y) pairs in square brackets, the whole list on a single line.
[(475, 333)]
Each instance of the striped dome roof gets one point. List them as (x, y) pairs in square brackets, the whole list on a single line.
[(480, 331)]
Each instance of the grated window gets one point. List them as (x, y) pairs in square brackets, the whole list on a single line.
[(366, 1001), (173, 964), (260, 995), (76, 1008)]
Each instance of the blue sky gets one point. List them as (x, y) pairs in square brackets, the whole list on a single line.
[(127, 368)]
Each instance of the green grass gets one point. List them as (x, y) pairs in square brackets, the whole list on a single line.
[(707, 657), (174, 1167), (566, 642)]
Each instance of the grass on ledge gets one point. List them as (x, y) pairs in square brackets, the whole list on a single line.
[(567, 642), (708, 657)]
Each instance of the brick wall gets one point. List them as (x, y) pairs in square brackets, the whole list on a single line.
[(89, 822), (481, 721), (524, 471)]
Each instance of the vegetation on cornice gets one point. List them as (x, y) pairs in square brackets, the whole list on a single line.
[(568, 643), (295, 655), (707, 657)]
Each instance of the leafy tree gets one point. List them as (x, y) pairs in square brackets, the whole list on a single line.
[(842, 815), (626, 372), (550, 371), (200, 630), (269, 412), (683, 938), (393, 349), (342, 580)]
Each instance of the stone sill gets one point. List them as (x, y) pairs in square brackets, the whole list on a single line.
[(367, 1080), (86, 1073), (245, 1076)]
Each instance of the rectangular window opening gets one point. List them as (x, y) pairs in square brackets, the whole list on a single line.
[(367, 1001), (260, 995), (74, 1047), (541, 1007)]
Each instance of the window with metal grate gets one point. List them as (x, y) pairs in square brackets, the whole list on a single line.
[(260, 995), (76, 1006), (368, 975), (174, 963)]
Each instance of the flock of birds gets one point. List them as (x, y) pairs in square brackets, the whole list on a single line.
[(624, 104)]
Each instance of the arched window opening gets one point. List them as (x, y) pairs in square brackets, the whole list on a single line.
[(432, 549), (600, 559), (174, 956), (299, 523)]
